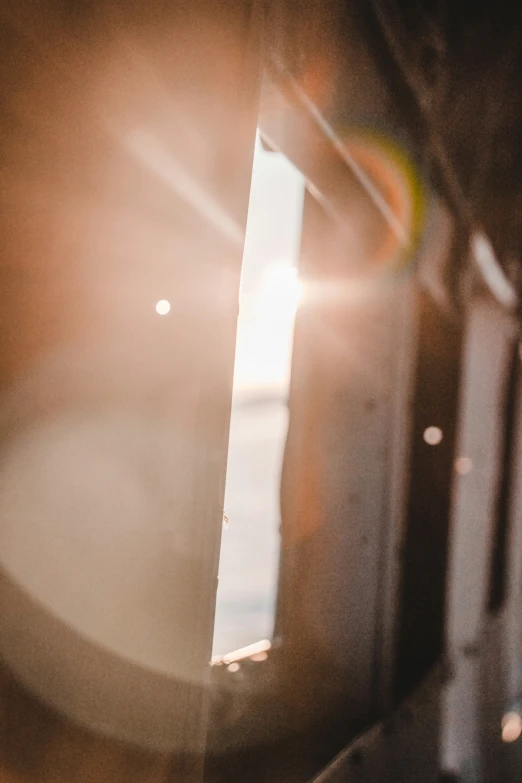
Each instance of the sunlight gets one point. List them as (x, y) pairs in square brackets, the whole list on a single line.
[(265, 329), (511, 727), (280, 293), (270, 294)]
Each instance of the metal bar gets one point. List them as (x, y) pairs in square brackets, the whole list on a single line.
[(478, 470), (397, 485), (514, 565), (507, 643), (491, 272)]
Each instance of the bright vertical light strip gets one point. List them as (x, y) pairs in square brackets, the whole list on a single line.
[(270, 293), (269, 284)]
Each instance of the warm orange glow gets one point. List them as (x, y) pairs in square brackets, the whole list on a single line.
[(391, 178)]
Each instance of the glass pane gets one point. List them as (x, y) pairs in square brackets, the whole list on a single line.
[(269, 298)]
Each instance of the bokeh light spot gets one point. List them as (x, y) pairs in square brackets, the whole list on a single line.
[(511, 726), (163, 307), (463, 466), (432, 436)]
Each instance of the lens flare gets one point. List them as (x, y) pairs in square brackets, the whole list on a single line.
[(163, 307), (511, 727), (433, 436), (395, 182)]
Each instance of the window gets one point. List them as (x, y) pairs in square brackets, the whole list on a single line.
[(269, 297)]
